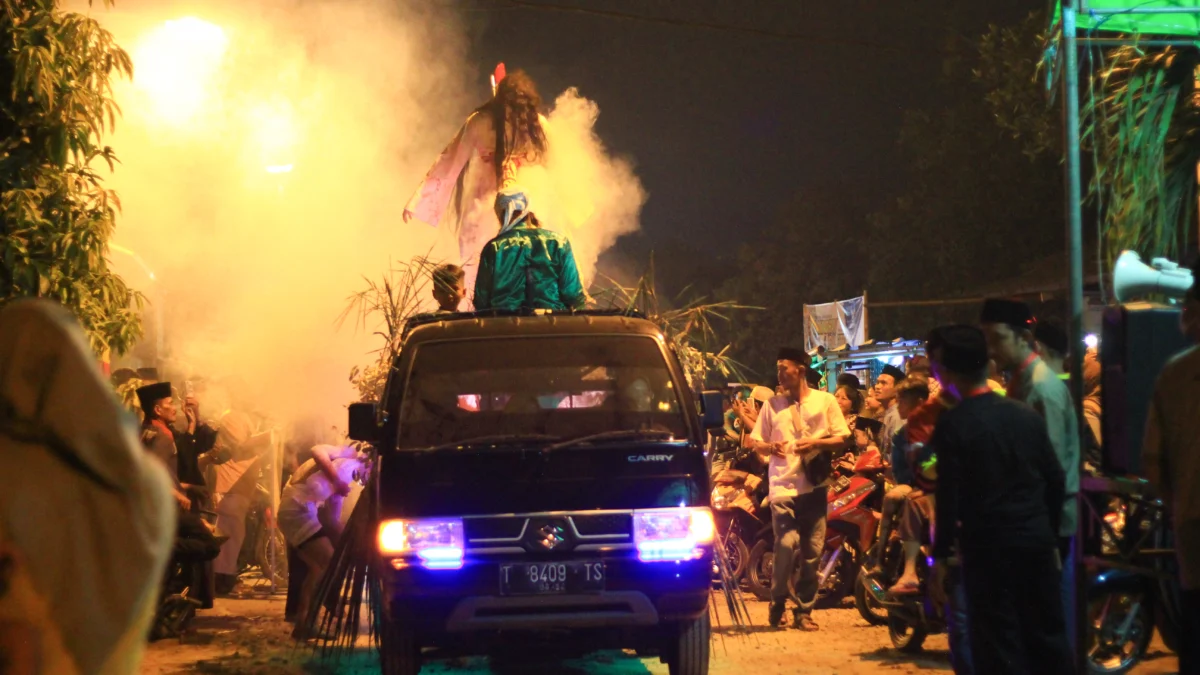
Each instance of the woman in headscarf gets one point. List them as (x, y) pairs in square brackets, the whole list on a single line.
[(480, 162), (86, 515)]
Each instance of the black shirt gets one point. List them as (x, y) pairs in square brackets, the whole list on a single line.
[(999, 482)]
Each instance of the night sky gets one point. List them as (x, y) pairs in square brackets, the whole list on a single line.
[(728, 127)]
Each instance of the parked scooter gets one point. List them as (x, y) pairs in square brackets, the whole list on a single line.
[(852, 521), (257, 546), (739, 488), (1125, 605), (910, 618)]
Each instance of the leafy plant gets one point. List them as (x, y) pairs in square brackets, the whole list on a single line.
[(383, 307), (690, 327), (56, 105), (1142, 126)]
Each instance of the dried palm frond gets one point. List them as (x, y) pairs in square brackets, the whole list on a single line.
[(1142, 127), (689, 327), (383, 307)]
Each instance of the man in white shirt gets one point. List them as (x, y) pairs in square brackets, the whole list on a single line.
[(797, 433)]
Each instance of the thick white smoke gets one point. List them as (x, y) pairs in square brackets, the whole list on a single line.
[(267, 150)]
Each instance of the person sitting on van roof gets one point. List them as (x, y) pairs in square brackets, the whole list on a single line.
[(526, 266)]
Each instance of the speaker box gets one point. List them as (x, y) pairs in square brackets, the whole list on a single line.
[(1138, 338)]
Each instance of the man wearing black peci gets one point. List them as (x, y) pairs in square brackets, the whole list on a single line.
[(797, 433), (999, 499)]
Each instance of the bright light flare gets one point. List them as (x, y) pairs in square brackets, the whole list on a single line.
[(673, 535), (1091, 340), (438, 543), (176, 66)]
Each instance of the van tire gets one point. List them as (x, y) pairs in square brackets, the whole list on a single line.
[(398, 650), (688, 646)]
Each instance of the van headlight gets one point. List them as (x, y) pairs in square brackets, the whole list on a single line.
[(437, 542), (676, 534)]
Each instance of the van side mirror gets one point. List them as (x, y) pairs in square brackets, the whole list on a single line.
[(711, 403), (364, 422)]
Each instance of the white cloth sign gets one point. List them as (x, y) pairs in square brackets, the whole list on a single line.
[(833, 323)]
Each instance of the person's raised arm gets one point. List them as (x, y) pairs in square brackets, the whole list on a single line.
[(324, 455), (762, 428)]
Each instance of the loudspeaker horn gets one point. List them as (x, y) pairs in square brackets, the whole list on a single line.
[(1133, 278)]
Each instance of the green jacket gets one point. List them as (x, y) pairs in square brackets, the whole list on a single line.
[(528, 267)]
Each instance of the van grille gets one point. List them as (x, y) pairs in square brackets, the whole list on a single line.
[(509, 531)]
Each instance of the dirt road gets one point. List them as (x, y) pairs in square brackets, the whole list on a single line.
[(249, 637)]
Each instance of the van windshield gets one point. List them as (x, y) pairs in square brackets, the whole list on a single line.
[(557, 387)]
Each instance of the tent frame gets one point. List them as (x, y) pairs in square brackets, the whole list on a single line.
[(1071, 42)]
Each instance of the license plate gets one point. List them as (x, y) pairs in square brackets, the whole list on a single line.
[(551, 578)]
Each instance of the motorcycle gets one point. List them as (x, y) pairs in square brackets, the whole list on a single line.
[(1125, 606), (910, 618), (257, 547), (855, 498), (737, 496)]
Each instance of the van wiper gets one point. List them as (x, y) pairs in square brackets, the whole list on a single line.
[(495, 439), (620, 434)]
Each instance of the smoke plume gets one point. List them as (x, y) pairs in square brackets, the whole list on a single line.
[(267, 150)]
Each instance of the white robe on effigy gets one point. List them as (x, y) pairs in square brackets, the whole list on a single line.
[(460, 189)]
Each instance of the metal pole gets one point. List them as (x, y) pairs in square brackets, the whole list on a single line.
[(1074, 199), (1136, 11)]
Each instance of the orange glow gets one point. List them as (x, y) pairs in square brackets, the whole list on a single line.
[(176, 65)]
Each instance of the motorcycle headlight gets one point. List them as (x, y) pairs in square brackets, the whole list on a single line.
[(437, 542), (673, 534)]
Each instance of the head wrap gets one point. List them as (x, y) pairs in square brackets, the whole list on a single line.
[(151, 394), (92, 558), (797, 356), (1012, 312), (895, 372), (1051, 334), (512, 208)]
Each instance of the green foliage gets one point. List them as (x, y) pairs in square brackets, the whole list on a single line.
[(56, 106), (383, 307), (1010, 70), (975, 205), (127, 393), (1142, 127), (690, 328)]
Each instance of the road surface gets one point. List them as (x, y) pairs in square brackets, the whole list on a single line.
[(248, 636)]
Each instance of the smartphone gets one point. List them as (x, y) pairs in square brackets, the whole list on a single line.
[(188, 390)]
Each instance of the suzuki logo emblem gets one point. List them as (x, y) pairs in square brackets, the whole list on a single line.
[(550, 536)]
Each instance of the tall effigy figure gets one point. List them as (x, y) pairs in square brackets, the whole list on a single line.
[(461, 186)]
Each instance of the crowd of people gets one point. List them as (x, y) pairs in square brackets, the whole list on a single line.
[(985, 453), (221, 468)]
